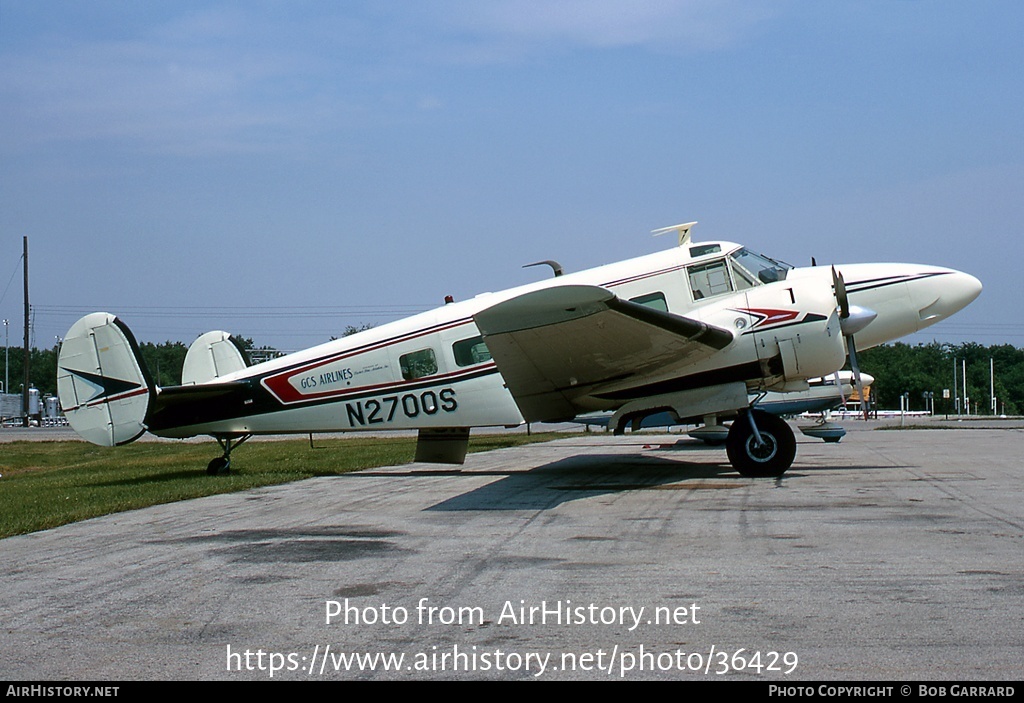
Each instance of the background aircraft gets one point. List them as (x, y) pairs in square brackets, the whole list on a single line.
[(693, 330), (822, 394)]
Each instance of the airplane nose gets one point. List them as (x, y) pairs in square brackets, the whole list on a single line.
[(957, 291)]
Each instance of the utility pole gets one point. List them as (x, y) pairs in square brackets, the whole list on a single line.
[(992, 383), (956, 390), (24, 390), (56, 378), (967, 400)]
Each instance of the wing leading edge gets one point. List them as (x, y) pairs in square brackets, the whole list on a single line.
[(557, 346)]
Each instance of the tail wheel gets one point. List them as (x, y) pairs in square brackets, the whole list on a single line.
[(770, 457), (221, 466)]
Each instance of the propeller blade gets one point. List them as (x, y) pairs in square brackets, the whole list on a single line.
[(841, 297), (839, 384), (855, 367)]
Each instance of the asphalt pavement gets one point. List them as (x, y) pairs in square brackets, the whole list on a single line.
[(893, 555)]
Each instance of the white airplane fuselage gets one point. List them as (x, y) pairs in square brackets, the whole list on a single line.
[(412, 374), (693, 332)]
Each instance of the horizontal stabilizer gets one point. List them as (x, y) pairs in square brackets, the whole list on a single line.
[(180, 406), (102, 382)]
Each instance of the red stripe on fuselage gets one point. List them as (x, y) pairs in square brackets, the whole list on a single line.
[(770, 316), (279, 384), (641, 276), (290, 395)]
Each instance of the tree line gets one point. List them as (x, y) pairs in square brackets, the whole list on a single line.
[(163, 360), (898, 368), (928, 368)]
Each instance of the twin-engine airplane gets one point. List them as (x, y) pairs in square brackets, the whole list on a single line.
[(690, 331)]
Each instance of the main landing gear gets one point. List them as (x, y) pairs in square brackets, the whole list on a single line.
[(221, 466), (760, 444)]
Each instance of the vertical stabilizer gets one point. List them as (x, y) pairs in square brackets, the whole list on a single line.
[(102, 382), (211, 356)]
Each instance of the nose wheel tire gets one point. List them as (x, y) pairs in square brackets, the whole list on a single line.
[(770, 457)]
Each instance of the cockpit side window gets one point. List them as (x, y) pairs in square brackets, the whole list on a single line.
[(743, 278), (765, 269), (709, 279)]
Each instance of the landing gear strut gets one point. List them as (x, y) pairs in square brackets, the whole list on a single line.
[(760, 444), (221, 466)]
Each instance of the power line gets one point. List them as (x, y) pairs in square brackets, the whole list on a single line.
[(14, 273)]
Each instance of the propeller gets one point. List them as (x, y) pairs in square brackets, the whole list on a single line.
[(852, 319)]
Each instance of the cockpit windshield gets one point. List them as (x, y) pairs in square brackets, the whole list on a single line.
[(757, 267)]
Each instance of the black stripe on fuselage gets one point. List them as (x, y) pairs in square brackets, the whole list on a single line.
[(872, 283), (182, 407)]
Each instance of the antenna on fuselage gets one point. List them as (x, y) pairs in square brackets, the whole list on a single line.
[(683, 229), (555, 266)]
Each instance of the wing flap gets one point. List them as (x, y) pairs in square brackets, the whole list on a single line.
[(556, 346)]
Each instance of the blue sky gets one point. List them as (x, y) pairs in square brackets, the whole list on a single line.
[(283, 169)]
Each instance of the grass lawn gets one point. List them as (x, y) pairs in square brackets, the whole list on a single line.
[(46, 484)]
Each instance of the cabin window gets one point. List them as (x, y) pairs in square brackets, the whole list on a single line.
[(471, 351), (707, 280), (702, 249), (418, 364), (652, 300)]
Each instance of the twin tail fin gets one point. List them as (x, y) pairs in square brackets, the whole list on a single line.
[(106, 391), (104, 387)]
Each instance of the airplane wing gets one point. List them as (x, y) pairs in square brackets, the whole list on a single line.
[(557, 345)]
